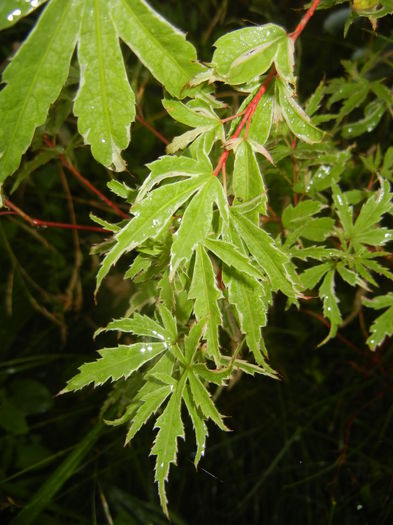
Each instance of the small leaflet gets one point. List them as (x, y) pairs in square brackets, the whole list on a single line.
[(206, 294), (298, 121), (382, 326), (114, 364), (242, 55)]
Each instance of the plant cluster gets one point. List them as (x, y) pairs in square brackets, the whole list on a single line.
[(249, 203)]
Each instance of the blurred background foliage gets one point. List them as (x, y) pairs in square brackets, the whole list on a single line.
[(315, 447)]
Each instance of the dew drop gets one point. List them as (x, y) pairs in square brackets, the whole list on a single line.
[(171, 388), (14, 13), (143, 350), (149, 348), (162, 464), (340, 201), (372, 341), (156, 222), (329, 308), (388, 235), (359, 507), (349, 130), (103, 141)]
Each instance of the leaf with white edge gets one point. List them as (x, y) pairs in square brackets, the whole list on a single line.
[(372, 115), (161, 47), (206, 294), (182, 141), (193, 116), (168, 166), (298, 121), (274, 262), (105, 224), (366, 228), (285, 61), (349, 276), (34, 79), (151, 402), (195, 225), (11, 11), (343, 209), (313, 275), (232, 257), (247, 179), (198, 423), (150, 218), (250, 368), (168, 321), (171, 428), (251, 300), (249, 52), (203, 400), (139, 325), (191, 341), (114, 364), (140, 264), (105, 102), (382, 326), (292, 217), (330, 301), (316, 229)]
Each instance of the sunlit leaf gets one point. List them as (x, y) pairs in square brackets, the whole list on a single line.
[(105, 103), (158, 44), (34, 79), (204, 291)]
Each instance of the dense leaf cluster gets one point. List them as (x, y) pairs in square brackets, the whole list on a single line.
[(211, 245)]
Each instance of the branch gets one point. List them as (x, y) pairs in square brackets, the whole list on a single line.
[(67, 164), (252, 106), (304, 21), (49, 224)]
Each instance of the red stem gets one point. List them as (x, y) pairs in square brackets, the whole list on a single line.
[(304, 21), (67, 164), (252, 106), (48, 224), (148, 126)]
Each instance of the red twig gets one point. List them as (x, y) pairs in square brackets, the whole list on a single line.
[(252, 106), (148, 126), (48, 224), (248, 113), (304, 21), (67, 164)]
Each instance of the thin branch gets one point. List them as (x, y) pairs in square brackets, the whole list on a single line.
[(50, 224), (67, 164), (304, 21), (148, 126)]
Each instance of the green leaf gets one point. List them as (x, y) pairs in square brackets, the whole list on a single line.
[(194, 116), (105, 102), (273, 261), (232, 257), (247, 179), (195, 224), (330, 301), (202, 399), (139, 325), (262, 120), (11, 11), (161, 47), (168, 166), (383, 325), (198, 423), (168, 321), (115, 363), (313, 275), (34, 79), (150, 218), (298, 121), (343, 209), (242, 55), (293, 217), (170, 427), (151, 402), (372, 115), (251, 300), (314, 230), (191, 341), (204, 291)]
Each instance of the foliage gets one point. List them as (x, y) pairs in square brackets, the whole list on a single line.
[(243, 211)]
